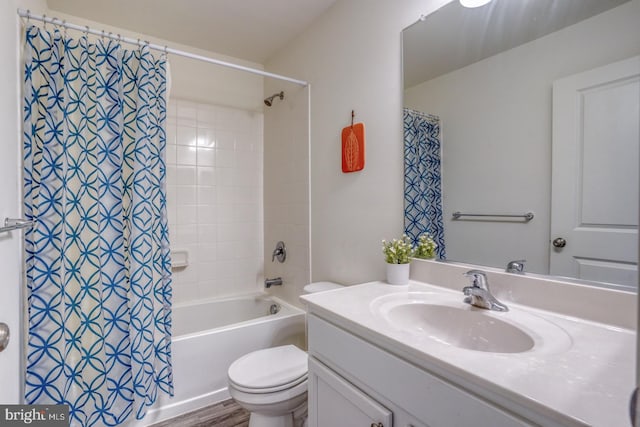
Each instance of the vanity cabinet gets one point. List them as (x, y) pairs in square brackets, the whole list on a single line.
[(355, 383)]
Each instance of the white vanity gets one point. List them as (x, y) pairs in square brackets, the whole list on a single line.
[(417, 355)]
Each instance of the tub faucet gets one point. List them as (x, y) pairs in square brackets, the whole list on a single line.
[(273, 282), (516, 267), (478, 293)]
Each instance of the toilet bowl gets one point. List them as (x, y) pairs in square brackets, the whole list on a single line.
[(272, 383)]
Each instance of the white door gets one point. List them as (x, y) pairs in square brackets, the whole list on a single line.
[(10, 247), (596, 140)]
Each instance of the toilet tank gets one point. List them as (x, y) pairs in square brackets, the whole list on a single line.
[(315, 287)]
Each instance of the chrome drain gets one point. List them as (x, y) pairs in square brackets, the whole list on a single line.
[(274, 309)]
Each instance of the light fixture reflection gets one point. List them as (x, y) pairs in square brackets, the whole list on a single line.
[(474, 3)]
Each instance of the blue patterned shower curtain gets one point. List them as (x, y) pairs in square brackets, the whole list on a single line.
[(97, 260), (422, 178)]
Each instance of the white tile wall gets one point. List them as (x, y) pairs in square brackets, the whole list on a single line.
[(215, 198)]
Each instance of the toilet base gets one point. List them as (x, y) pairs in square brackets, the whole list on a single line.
[(295, 417), (261, 420), (274, 412)]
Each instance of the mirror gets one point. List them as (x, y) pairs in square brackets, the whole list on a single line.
[(507, 82)]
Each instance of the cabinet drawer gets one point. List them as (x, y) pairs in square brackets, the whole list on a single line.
[(426, 397)]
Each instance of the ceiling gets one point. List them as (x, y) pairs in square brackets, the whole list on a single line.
[(431, 48), (253, 30)]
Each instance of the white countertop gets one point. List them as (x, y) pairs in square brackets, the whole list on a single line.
[(586, 381)]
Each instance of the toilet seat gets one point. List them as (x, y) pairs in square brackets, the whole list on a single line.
[(264, 390), (269, 370)]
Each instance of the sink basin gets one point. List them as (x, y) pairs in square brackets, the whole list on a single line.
[(446, 320), (468, 329)]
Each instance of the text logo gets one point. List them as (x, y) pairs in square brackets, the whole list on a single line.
[(34, 415)]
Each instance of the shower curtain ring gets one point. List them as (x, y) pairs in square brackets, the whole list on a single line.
[(44, 20), (28, 16), (86, 30)]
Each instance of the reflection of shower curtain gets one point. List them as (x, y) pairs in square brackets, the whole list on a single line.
[(422, 188), (98, 266)]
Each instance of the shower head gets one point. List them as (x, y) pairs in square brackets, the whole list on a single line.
[(269, 101)]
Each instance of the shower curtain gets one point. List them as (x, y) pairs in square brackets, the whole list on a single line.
[(97, 260), (422, 178)]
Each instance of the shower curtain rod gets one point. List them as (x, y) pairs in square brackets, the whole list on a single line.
[(58, 22)]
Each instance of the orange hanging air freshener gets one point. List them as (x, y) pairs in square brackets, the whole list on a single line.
[(353, 147)]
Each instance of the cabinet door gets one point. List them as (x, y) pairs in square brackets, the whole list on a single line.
[(334, 402)]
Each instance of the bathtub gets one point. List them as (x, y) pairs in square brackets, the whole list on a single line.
[(209, 336)]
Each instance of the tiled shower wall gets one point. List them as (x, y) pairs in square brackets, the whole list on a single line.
[(286, 189), (215, 199)]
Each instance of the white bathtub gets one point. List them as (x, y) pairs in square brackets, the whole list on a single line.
[(209, 336)]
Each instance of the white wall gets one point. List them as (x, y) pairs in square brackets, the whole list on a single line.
[(496, 126), (352, 57)]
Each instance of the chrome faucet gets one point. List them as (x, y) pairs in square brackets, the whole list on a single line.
[(273, 282), (478, 293), (516, 267)]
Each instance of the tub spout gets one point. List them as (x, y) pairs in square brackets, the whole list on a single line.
[(273, 282)]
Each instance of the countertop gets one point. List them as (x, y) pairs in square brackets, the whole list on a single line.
[(586, 380)]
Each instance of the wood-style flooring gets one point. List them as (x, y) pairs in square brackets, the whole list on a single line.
[(223, 414)]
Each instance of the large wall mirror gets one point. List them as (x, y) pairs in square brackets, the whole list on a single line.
[(538, 109)]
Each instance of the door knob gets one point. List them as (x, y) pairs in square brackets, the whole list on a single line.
[(559, 242), (4, 336)]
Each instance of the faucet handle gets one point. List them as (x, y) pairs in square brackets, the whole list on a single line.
[(516, 266), (279, 253), (478, 279)]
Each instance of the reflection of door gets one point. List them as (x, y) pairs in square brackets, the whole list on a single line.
[(596, 139)]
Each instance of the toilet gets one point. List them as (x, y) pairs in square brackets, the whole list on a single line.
[(272, 383)]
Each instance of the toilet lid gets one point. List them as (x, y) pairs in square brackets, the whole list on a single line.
[(271, 369)]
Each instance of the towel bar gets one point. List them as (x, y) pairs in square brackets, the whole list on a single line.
[(15, 224), (527, 216)]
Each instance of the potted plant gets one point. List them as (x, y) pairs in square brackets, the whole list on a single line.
[(397, 254)]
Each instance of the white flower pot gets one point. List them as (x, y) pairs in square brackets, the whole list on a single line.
[(398, 274)]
